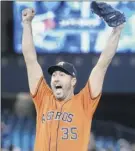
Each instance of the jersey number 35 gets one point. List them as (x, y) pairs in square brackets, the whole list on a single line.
[(69, 133)]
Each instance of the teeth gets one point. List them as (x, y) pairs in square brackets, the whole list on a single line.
[(58, 85)]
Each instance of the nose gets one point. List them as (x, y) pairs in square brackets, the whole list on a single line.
[(56, 78)]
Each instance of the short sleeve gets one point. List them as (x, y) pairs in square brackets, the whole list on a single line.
[(42, 90), (89, 104)]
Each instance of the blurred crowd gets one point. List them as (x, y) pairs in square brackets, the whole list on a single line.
[(18, 130)]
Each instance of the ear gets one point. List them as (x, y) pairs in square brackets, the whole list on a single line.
[(74, 80)]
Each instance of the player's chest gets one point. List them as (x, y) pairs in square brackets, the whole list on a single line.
[(65, 113)]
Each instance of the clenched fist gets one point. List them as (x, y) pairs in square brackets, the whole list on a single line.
[(27, 15)]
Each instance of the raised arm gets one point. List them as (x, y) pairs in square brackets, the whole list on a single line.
[(98, 73), (34, 70)]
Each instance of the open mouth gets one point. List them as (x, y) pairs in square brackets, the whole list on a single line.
[(58, 87)]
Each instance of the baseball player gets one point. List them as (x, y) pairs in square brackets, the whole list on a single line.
[(64, 119)]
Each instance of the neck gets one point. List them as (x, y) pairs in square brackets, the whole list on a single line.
[(69, 96)]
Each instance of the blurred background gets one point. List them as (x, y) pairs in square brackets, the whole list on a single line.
[(68, 31)]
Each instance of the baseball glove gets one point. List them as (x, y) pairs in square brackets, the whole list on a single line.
[(110, 15)]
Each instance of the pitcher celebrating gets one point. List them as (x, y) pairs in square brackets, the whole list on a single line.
[(63, 120)]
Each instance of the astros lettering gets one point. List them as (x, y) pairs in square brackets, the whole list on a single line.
[(55, 115)]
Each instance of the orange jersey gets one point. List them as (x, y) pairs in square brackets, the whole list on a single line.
[(65, 125)]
